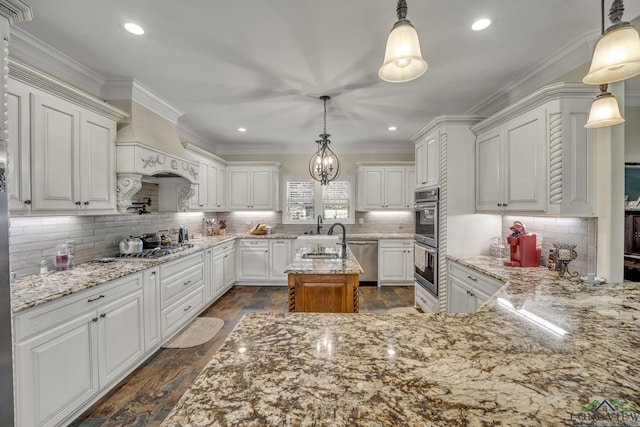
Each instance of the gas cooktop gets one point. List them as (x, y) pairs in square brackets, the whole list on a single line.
[(158, 252)]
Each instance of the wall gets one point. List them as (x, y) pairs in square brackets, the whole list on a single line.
[(632, 134), (579, 231)]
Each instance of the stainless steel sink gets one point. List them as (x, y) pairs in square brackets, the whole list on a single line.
[(323, 255)]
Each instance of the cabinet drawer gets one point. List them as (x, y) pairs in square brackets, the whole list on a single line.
[(178, 266), (224, 247), (248, 243), (174, 317), (483, 283), (176, 287), (390, 243), (48, 315)]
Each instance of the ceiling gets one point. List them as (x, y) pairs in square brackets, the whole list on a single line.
[(262, 64)]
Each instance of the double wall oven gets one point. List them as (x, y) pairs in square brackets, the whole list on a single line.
[(426, 240)]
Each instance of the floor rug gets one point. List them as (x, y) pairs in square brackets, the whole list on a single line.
[(398, 310), (201, 330)]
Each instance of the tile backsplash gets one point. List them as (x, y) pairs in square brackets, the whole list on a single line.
[(579, 231)]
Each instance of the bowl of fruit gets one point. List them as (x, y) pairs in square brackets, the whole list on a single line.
[(259, 229)]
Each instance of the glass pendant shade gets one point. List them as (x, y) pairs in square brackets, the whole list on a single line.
[(604, 111), (402, 58), (616, 55)]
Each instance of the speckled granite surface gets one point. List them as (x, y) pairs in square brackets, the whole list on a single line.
[(537, 354), (36, 289), (300, 265)]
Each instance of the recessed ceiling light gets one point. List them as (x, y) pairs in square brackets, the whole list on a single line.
[(134, 28), (242, 129), (392, 128), (481, 24)]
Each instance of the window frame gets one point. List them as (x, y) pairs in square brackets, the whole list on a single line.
[(318, 203)]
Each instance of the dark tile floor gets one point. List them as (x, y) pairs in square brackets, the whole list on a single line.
[(147, 396)]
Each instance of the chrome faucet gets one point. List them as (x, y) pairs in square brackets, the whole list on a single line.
[(319, 224), (344, 238)]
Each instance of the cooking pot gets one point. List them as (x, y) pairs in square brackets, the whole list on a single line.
[(151, 240), (131, 245)]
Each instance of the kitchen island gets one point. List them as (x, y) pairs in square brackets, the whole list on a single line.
[(323, 285), (492, 367)]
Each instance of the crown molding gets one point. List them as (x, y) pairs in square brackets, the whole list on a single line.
[(447, 120), (541, 96), (202, 151), (136, 91), (395, 147), (36, 53), (193, 138), (35, 78), (15, 11), (564, 60)]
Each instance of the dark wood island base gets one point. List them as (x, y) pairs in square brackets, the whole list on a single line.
[(324, 293)]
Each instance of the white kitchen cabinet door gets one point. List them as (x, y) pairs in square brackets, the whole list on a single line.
[(432, 174), (217, 276), (151, 291), (121, 336), (460, 300), (253, 262), (479, 298), (421, 164), (374, 190), (97, 163), (238, 195), (394, 188), (200, 201), (525, 162), (57, 371), (18, 147), (392, 264), (216, 186), (489, 171), (410, 188), (230, 268), (55, 154), (262, 189), (280, 256)]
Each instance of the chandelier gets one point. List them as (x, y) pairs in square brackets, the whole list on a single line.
[(324, 165)]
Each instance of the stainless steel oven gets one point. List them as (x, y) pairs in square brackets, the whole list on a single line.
[(426, 267), (426, 217)]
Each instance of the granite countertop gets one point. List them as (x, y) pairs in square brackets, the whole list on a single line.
[(37, 289), (301, 265), (539, 352)]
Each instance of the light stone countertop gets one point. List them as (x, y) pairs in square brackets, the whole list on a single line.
[(300, 265), (502, 365), (37, 289)]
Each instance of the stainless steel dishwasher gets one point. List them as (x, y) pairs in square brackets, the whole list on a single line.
[(366, 252)]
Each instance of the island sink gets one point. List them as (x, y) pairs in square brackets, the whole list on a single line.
[(321, 255)]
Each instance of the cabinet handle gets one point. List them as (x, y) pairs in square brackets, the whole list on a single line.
[(95, 319), (153, 273), (95, 299), (78, 203), (27, 202), (504, 205), (86, 203), (424, 182), (472, 294), (186, 283), (187, 308), (472, 278), (103, 315), (499, 204), (226, 256)]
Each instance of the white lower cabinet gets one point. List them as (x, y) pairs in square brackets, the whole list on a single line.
[(69, 350), (230, 269), (264, 260), (395, 261), (222, 270), (151, 283), (468, 289), (182, 293)]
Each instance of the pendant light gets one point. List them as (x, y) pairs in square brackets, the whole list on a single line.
[(402, 58), (616, 55), (604, 110), (324, 165)]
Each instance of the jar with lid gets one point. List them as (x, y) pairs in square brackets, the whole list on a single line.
[(552, 263)]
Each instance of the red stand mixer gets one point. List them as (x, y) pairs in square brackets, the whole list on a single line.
[(522, 247)]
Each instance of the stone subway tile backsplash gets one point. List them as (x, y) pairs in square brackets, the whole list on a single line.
[(579, 231), (32, 239)]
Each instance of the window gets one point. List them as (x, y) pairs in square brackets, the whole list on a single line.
[(305, 199)]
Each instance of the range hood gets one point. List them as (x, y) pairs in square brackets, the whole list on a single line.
[(147, 145)]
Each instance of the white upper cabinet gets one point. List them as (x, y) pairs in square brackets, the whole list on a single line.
[(61, 145), (211, 189), (253, 186), (428, 161), (536, 156), (385, 186)]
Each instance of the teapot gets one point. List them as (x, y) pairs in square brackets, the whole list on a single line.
[(131, 245)]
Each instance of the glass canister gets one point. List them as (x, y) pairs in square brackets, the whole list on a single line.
[(497, 247)]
